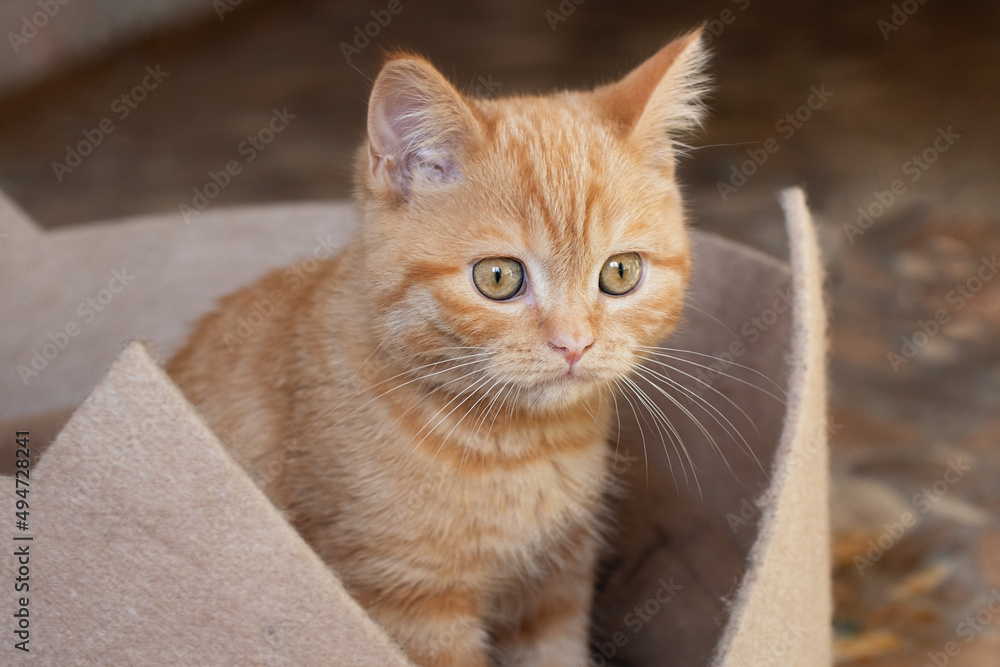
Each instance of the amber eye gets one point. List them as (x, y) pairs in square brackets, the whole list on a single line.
[(620, 273), (498, 278)]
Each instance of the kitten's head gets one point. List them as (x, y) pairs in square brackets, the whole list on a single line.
[(532, 242)]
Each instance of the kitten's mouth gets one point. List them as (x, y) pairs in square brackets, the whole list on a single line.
[(572, 376)]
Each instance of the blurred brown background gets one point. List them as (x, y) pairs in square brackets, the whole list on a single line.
[(885, 112)]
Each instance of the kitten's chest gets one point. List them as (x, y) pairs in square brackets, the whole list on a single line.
[(516, 513)]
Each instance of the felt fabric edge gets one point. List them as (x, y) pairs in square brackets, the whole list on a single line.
[(783, 609), (134, 363)]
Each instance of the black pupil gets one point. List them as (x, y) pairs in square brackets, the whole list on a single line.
[(621, 269), (497, 274)]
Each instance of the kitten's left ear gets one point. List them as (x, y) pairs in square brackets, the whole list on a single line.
[(661, 98), (419, 127)]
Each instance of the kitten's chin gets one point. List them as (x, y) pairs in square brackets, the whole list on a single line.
[(561, 391)]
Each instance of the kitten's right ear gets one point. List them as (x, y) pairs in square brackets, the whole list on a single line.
[(660, 100), (418, 126)]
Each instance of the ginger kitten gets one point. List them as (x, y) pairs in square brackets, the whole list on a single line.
[(431, 407)]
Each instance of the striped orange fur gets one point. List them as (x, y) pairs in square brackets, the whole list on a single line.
[(447, 453)]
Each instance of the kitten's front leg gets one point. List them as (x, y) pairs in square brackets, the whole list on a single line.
[(553, 622)]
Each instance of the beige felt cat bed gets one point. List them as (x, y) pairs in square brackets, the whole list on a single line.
[(152, 547)]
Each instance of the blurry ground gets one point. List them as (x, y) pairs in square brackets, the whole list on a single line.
[(915, 367)]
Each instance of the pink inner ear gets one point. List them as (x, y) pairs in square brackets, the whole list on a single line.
[(383, 139), (393, 122), (416, 125)]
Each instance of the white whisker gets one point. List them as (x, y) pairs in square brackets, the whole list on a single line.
[(467, 391), (689, 301), (440, 410), (659, 417), (400, 386), (489, 432), (707, 384), (642, 437), (655, 352), (709, 409), (479, 422), (472, 390), (690, 415)]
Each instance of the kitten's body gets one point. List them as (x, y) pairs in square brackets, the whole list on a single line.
[(445, 453), (424, 531)]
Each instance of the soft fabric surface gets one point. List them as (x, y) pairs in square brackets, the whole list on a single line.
[(153, 547)]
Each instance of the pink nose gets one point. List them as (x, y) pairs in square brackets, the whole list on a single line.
[(572, 347)]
